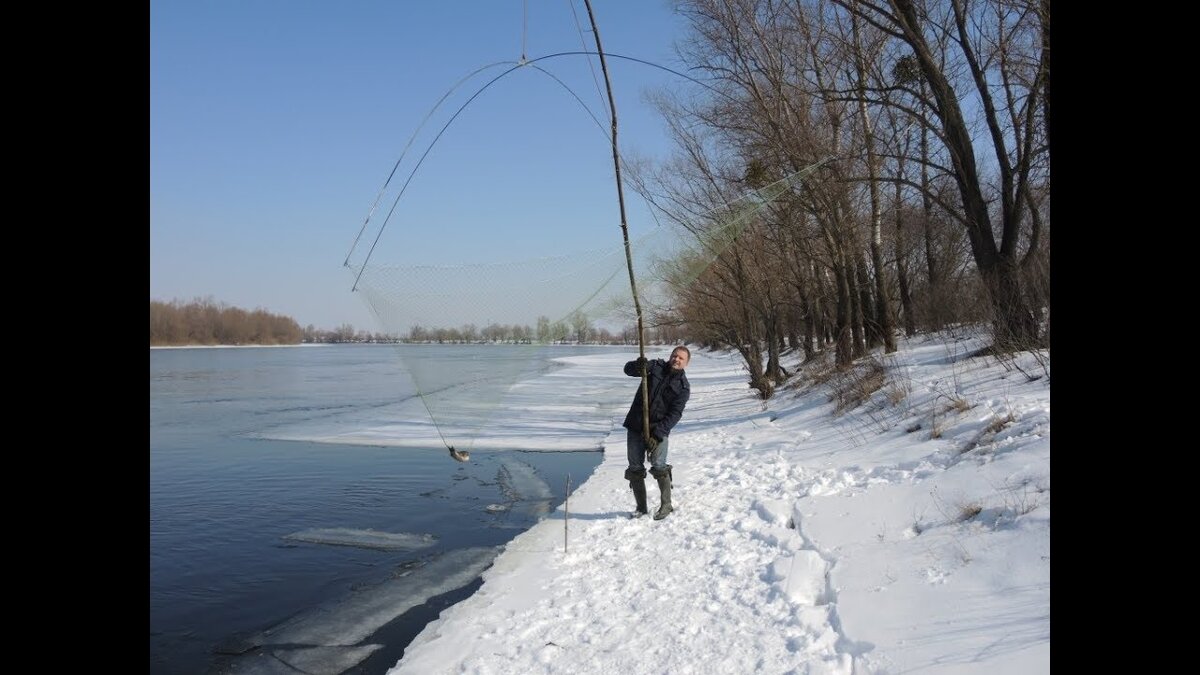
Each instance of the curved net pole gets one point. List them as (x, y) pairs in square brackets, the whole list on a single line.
[(612, 106)]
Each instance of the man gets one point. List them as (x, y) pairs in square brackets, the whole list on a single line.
[(669, 391)]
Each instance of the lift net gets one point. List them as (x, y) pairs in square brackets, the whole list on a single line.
[(474, 336)]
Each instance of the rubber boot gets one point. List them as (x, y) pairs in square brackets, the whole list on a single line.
[(664, 487), (637, 482)]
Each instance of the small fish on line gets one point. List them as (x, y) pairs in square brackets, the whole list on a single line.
[(459, 455)]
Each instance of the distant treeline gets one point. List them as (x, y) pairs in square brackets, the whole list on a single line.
[(205, 322), (545, 333), (345, 333)]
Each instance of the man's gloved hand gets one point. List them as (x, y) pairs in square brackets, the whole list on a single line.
[(652, 444), (641, 363)]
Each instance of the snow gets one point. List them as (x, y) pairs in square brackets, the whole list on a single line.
[(910, 533)]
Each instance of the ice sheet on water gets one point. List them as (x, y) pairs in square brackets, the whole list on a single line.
[(325, 660), (355, 618), (558, 413), (520, 482), (374, 539), (307, 660)]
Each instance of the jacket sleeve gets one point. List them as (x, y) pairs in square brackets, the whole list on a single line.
[(663, 428), (632, 370)]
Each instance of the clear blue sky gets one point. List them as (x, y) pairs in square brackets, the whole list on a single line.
[(274, 124)]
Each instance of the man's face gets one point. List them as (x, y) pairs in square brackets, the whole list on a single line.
[(679, 359)]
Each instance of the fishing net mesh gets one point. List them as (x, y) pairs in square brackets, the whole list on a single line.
[(514, 311)]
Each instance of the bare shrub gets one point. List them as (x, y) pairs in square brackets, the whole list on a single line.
[(854, 385), (967, 512), (999, 422)]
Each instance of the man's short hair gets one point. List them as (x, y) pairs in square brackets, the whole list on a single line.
[(683, 349)]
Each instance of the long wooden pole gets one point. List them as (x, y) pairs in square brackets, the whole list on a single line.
[(612, 106)]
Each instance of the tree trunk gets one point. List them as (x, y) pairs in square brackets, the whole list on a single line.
[(872, 335), (1014, 324), (906, 302), (793, 325), (1045, 17), (825, 315), (935, 309), (774, 371), (844, 354), (808, 310), (752, 355), (880, 329), (883, 308)]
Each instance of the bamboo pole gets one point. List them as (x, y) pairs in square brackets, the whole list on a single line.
[(612, 106)]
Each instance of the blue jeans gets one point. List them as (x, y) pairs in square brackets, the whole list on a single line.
[(637, 450)]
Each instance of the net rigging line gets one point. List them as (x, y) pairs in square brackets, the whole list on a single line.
[(407, 146), (460, 110)]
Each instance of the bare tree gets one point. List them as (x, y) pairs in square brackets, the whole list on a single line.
[(207, 322), (865, 48), (1002, 49)]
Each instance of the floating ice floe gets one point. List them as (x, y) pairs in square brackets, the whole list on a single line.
[(384, 541), (328, 639), (520, 482)]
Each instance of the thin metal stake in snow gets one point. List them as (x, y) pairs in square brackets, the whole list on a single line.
[(566, 512)]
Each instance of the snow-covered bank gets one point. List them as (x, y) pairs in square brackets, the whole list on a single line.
[(910, 534)]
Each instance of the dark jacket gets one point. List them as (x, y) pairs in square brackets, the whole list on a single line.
[(669, 393)]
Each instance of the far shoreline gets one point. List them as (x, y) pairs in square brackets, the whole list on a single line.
[(302, 344)]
